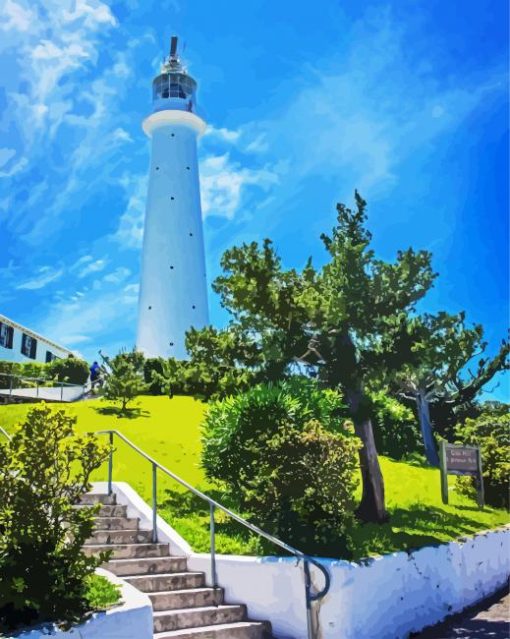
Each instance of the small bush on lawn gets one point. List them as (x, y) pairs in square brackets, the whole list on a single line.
[(71, 370), (395, 427), (124, 379), (490, 431), (44, 470), (284, 454)]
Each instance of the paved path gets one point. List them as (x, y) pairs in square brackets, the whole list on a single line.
[(488, 620)]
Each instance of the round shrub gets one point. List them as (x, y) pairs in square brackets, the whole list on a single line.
[(71, 370), (491, 432), (283, 452)]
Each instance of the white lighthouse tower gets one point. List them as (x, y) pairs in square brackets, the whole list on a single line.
[(173, 288)]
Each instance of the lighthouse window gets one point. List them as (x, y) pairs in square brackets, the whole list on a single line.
[(6, 335), (172, 197), (150, 308), (191, 234), (187, 168), (171, 268)]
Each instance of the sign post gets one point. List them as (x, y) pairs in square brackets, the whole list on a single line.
[(461, 460)]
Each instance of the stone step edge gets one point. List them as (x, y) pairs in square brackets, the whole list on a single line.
[(162, 574), (198, 609), (189, 591), (188, 632)]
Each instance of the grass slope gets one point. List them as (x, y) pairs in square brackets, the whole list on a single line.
[(169, 430)]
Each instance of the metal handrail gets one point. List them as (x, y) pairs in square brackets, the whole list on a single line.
[(4, 432), (39, 379), (213, 504)]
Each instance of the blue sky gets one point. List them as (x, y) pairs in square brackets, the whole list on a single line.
[(404, 100)]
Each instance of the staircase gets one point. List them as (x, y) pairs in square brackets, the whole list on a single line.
[(184, 607)]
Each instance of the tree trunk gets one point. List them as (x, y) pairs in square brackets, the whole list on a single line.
[(372, 507), (429, 444)]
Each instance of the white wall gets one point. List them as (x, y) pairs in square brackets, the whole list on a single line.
[(14, 354), (132, 619), (383, 598)]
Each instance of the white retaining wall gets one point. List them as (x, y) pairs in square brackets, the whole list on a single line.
[(132, 619), (387, 597)]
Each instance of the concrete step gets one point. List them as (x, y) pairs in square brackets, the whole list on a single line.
[(117, 523), (134, 567), (168, 581), (196, 617), (128, 551), (95, 498), (239, 630), (107, 510), (120, 537), (191, 598)]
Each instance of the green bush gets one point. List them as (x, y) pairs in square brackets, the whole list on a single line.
[(284, 454), (124, 379), (13, 372), (491, 432), (395, 427), (44, 470), (71, 370)]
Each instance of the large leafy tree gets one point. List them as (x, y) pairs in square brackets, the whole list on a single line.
[(445, 368), (343, 320)]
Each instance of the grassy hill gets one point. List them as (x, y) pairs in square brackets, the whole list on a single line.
[(169, 430)]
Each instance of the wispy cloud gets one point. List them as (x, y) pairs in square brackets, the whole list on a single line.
[(44, 276), (129, 233), (92, 266), (225, 181)]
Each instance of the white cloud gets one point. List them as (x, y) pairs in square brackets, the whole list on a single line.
[(92, 267), (45, 275), (6, 155), (117, 276), (15, 17), (223, 134), (130, 230), (225, 181), (90, 317)]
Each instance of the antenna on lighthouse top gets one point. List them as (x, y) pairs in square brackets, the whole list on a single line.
[(173, 47)]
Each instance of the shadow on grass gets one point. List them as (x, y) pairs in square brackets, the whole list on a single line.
[(412, 528), (128, 413), (186, 505)]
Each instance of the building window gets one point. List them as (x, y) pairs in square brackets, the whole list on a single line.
[(28, 346), (6, 335)]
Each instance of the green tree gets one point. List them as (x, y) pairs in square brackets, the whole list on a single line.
[(124, 378), (44, 470), (342, 321), (438, 375)]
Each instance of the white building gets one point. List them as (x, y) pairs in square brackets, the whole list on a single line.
[(20, 344), (173, 288)]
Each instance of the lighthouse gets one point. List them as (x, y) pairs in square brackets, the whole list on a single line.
[(173, 287)]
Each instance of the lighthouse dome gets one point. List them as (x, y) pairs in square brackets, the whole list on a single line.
[(174, 88)]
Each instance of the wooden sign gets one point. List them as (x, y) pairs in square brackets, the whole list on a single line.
[(461, 460)]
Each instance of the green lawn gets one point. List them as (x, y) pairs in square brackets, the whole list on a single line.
[(169, 430)]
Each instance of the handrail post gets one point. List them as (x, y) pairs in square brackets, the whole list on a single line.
[(10, 387), (308, 595), (214, 579), (37, 389), (154, 504), (110, 466), (61, 391)]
